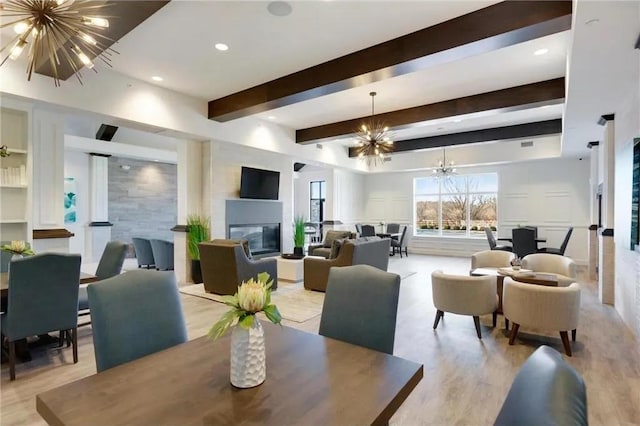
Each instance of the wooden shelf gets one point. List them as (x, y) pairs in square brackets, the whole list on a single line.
[(16, 151), (14, 186)]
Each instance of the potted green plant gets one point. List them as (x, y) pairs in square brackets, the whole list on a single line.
[(298, 236), (197, 232)]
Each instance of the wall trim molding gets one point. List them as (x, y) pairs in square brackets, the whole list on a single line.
[(607, 117), (41, 234), (100, 223)]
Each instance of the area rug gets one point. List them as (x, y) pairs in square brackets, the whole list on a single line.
[(293, 301)]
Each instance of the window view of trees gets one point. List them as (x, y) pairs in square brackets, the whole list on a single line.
[(457, 205)]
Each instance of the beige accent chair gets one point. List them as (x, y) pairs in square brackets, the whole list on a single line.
[(373, 252), (324, 249), (563, 267), (491, 259), (464, 295), (225, 266), (542, 307)]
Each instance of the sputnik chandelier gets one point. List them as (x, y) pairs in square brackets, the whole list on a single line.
[(373, 139), (444, 169), (55, 30)]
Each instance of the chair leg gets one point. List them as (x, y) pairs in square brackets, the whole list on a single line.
[(74, 333), (565, 342), (514, 333), (61, 338), (495, 318), (476, 321), (439, 315), (573, 334), (68, 337), (12, 360), (506, 324), (406, 251)]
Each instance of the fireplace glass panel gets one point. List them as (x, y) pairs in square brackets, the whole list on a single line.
[(263, 238)]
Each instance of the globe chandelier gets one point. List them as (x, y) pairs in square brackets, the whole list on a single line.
[(373, 139), (444, 169), (58, 31)]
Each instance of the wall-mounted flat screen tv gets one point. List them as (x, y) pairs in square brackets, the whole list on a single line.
[(259, 184)]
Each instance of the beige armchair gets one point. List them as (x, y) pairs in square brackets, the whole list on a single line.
[(542, 307), (374, 252), (225, 266), (563, 267), (324, 249), (464, 295), (491, 259)]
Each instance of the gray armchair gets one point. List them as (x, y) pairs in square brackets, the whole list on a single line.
[(124, 328), (225, 266), (43, 298), (372, 321), (110, 265), (144, 253), (324, 249), (162, 254)]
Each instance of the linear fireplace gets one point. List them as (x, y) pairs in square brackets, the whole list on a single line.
[(264, 238)]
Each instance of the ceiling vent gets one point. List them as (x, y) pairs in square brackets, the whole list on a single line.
[(526, 144), (106, 132), (386, 159), (298, 166), (319, 145)]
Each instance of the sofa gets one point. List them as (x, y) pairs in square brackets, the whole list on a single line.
[(225, 265), (371, 251), (546, 391), (324, 249)]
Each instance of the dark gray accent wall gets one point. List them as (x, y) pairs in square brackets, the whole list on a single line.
[(247, 212), (143, 200)]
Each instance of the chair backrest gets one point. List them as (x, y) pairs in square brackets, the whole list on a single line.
[(144, 254), (492, 259), (563, 247), (546, 391), (490, 238), (550, 263), (371, 322), (404, 240), (112, 260), (534, 228), (462, 294), (218, 265), (368, 231), (358, 229), (43, 294), (133, 315), (162, 254), (524, 241), (540, 306), (393, 228)]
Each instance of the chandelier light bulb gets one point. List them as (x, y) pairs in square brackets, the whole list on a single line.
[(60, 2), (20, 27), (83, 58), (86, 37), (95, 21), (17, 49)]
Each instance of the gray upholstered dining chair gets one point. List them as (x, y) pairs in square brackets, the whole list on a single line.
[(399, 245), (124, 328), (371, 322), (162, 254), (524, 241), (43, 297), (493, 245), (109, 266), (393, 228), (368, 231), (562, 248), (144, 254)]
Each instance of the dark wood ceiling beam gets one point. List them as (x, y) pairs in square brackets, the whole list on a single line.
[(540, 128), (519, 96), (494, 27)]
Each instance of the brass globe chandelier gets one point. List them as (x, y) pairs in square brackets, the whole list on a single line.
[(373, 139), (58, 31)]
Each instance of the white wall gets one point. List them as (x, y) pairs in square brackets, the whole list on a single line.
[(76, 165), (302, 192), (226, 162), (552, 194)]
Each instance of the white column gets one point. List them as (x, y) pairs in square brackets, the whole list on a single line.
[(190, 186), (99, 229), (593, 228), (606, 261), (48, 180)]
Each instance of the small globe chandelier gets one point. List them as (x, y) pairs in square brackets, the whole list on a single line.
[(55, 30), (444, 169), (373, 139)]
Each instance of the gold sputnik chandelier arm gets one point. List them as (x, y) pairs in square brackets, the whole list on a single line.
[(373, 140)]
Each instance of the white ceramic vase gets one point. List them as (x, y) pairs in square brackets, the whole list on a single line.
[(248, 360)]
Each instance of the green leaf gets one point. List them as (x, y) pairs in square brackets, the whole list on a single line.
[(247, 321), (263, 277), (273, 314), (231, 301), (219, 328)]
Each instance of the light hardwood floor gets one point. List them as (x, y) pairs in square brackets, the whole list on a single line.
[(465, 379)]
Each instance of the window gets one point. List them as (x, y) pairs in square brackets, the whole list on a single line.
[(455, 206), (317, 195)]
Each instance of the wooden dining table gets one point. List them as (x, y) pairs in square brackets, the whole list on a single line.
[(395, 235), (4, 281), (310, 379)]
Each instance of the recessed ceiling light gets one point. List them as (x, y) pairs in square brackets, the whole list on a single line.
[(157, 78), (591, 22), (271, 117), (222, 47), (279, 8), (457, 120), (540, 52)]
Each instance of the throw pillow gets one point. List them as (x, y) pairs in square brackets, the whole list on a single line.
[(332, 235), (336, 246)]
